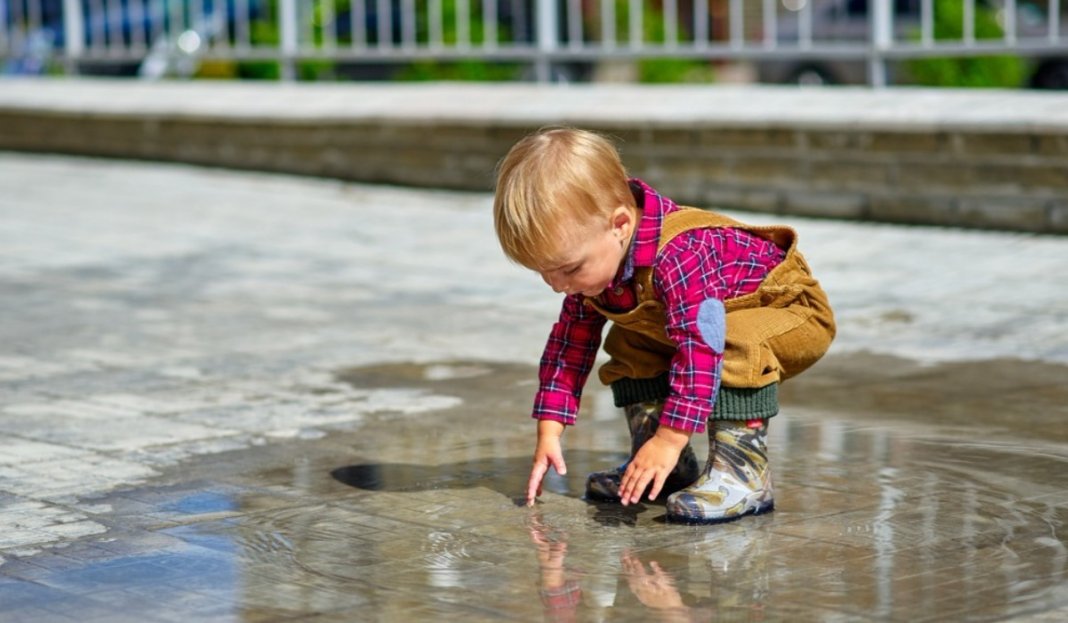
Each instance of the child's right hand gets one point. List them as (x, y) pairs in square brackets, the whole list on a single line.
[(546, 453)]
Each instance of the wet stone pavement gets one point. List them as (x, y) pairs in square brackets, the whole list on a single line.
[(241, 397)]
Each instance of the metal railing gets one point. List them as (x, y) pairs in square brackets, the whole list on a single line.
[(170, 37)]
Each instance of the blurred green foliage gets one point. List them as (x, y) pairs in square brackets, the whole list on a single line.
[(468, 70), (675, 70), (660, 70), (979, 71), (264, 32), (472, 70)]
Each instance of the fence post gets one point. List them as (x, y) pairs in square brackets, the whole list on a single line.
[(287, 24), (546, 39), (882, 35), (73, 34)]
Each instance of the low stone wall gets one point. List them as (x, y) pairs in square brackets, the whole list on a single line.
[(973, 159)]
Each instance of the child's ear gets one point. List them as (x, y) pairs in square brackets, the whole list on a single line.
[(622, 221)]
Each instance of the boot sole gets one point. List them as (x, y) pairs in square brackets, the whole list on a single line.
[(702, 521)]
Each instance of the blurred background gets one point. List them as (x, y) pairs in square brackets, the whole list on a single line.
[(951, 43)]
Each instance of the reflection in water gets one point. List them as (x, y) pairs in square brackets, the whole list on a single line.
[(654, 587), (717, 577), (559, 590), (883, 536), (871, 523), (445, 553), (504, 474)]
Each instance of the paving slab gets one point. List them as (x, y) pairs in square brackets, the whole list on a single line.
[(235, 396)]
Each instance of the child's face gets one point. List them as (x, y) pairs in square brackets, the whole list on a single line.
[(595, 251)]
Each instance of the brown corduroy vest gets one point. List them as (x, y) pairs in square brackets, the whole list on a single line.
[(773, 333)]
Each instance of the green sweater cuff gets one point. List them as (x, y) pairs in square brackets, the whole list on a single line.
[(631, 391), (746, 403), (732, 403)]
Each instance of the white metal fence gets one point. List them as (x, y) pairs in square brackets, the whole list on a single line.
[(795, 40)]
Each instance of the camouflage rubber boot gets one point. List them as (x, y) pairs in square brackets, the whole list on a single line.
[(642, 419), (736, 480)]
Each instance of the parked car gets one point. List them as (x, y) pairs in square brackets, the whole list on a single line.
[(848, 21)]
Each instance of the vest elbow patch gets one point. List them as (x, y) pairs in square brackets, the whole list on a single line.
[(712, 322)]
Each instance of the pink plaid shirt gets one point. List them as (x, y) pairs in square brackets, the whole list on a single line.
[(716, 263)]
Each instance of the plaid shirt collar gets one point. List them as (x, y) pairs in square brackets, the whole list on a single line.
[(643, 247)]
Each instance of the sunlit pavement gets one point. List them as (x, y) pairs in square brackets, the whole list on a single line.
[(242, 397)]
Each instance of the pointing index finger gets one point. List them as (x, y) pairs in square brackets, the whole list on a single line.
[(534, 484)]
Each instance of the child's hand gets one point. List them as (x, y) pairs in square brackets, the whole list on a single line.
[(652, 464), (547, 453)]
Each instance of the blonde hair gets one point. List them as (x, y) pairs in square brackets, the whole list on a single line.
[(548, 182)]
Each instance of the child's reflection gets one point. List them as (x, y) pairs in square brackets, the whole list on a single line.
[(654, 585), (560, 591), (655, 588)]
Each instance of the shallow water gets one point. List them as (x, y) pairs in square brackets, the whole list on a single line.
[(189, 430), (417, 518)]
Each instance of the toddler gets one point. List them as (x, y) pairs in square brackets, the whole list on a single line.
[(708, 316)]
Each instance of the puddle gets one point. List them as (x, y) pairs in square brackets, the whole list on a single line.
[(505, 475), (414, 517), (1017, 399)]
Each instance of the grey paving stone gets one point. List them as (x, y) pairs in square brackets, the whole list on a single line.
[(233, 396)]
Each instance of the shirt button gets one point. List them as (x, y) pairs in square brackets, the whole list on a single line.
[(618, 291)]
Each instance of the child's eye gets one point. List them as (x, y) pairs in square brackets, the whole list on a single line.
[(574, 269)]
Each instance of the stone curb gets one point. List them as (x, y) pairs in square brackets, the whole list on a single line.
[(984, 159)]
